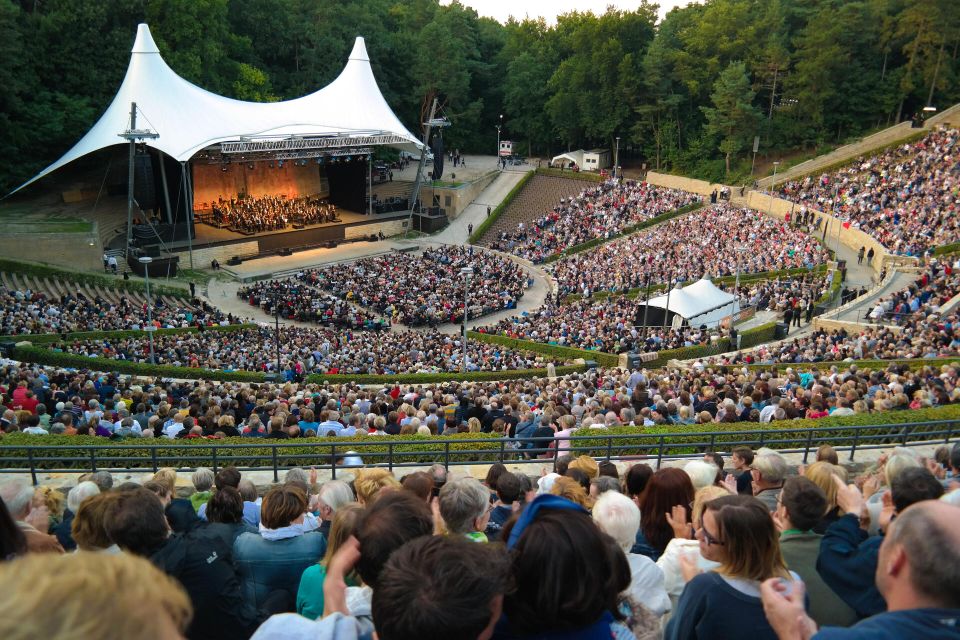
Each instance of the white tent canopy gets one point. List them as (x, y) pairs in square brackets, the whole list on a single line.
[(576, 157), (701, 303), (188, 118)]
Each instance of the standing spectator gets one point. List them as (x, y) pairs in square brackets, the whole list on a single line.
[(202, 481), (509, 492), (270, 563), (75, 498), (32, 519), (802, 504), (198, 560), (465, 508), (739, 533), (667, 488), (769, 471), (619, 517)]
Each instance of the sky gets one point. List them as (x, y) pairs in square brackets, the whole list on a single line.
[(500, 10)]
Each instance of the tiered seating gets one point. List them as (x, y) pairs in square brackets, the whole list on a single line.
[(537, 198)]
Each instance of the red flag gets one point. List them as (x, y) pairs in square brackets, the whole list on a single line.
[(846, 225)]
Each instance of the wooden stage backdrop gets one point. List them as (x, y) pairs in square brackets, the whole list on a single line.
[(210, 182)]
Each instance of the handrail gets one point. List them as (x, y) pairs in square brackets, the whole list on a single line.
[(82, 458)]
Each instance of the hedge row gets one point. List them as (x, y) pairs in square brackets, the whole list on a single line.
[(496, 213), (45, 338), (947, 249), (640, 226), (565, 353), (54, 273), (912, 363), (572, 175), (467, 447)]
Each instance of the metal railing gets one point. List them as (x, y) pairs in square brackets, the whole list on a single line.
[(392, 454)]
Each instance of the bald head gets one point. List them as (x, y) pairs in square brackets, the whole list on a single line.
[(919, 563)]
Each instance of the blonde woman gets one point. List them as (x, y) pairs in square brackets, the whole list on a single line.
[(473, 425), (310, 593), (822, 474)]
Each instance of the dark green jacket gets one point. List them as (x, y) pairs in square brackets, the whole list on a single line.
[(800, 551)]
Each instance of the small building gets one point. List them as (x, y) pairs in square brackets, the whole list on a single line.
[(593, 160)]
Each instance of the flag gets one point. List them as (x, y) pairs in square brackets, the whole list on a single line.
[(846, 225)]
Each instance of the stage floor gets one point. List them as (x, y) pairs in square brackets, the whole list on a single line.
[(206, 234)]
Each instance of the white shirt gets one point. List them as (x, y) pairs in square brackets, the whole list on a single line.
[(647, 584)]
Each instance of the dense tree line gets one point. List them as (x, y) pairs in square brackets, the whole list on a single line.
[(687, 94)]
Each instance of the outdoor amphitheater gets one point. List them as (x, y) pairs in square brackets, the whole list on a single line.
[(278, 364)]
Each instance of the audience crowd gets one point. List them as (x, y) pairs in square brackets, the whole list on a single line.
[(614, 324), (427, 289), (906, 197), (304, 351), (300, 299), (26, 312), (588, 550), (598, 212), (254, 214), (715, 242)]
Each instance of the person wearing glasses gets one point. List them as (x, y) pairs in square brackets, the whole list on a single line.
[(739, 533)]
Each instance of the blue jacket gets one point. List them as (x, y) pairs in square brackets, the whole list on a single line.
[(848, 563), (265, 566), (929, 624)]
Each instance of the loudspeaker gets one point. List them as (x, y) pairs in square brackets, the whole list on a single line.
[(780, 331), (234, 261), (144, 189), (331, 244), (633, 361), (591, 364), (271, 377), (7, 348)]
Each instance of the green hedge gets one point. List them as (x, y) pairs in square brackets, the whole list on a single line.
[(318, 451), (566, 353), (596, 242), (44, 338), (571, 175), (496, 213), (946, 249), (54, 273)]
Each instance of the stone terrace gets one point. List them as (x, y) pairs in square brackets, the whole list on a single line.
[(539, 196)]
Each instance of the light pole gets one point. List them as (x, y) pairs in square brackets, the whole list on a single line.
[(499, 125), (466, 272), (773, 183), (616, 159), (145, 261)]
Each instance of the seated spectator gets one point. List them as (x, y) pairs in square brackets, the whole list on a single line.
[(569, 577), (619, 517), (270, 563), (132, 599), (198, 560), (738, 532), (310, 591), (332, 495), (918, 578)]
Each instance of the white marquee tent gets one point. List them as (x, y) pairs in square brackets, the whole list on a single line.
[(701, 303), (349, 111)]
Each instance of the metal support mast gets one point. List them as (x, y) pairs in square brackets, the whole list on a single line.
[(133, 135)]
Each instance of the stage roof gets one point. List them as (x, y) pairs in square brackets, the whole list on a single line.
[(350, 111)]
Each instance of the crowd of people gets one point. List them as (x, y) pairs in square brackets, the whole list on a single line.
[(29, 312), (256, 214), (939, 282), (717, 241), (427, 289), (614, 324), (307, 350), (588, 550), (598, 212), (300, 299), (906, 197)]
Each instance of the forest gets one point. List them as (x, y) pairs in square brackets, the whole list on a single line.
[(686, 94)]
